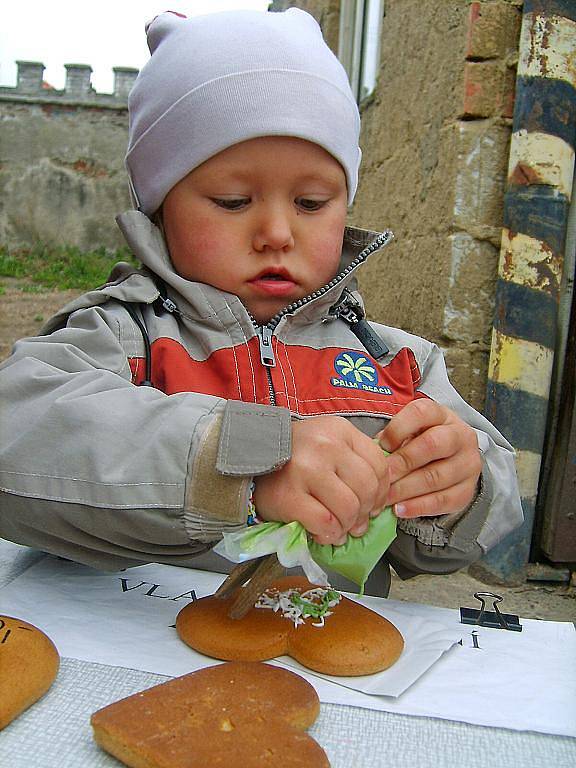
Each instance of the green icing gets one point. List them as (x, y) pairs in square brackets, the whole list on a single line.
[(314, 609)]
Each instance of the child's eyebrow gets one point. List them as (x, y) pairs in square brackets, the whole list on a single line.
[(245, 175), (329, 176)]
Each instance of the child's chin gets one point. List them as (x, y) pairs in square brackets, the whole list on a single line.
[(263, 315)]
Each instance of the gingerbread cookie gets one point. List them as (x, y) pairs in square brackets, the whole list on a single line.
[(237, 714), (29, 663), (337, 637)]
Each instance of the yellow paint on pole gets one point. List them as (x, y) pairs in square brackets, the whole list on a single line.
[(528, 472), (548, 47), (528, 261), (521, 365)]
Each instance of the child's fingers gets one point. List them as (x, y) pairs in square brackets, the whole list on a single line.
[(336, 479), (358, 475), (444, 502), (370, 452), (341, 502), (437, 476), (435, 443), (320, 522), (416, 417)]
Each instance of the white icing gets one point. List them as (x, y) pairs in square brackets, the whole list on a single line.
[(276, 601)]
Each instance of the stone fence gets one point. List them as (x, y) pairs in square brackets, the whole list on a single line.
[(78, 86), (62, 176)]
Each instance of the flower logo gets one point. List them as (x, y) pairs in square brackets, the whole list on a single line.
[(356, 367)]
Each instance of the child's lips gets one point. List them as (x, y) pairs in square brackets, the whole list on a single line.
[(274, 283)]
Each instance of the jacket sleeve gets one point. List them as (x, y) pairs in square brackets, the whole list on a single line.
[(98, 470), (446, 543)]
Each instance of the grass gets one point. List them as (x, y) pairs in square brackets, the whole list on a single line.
[(59, 267)]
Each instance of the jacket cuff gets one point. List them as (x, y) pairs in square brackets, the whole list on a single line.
[(212, 500), (254, 439), (247, 440)]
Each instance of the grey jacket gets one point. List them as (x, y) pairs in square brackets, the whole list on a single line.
[(111, 474)]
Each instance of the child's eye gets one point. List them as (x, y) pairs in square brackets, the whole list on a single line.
[(306, 204), (231, 203)]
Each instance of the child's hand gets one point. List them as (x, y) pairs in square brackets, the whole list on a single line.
[(335, 481), (436, 463)]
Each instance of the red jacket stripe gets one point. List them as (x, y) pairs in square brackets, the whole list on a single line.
[(307, 381)]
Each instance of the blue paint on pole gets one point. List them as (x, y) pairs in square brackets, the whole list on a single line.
[(525, 313), (539, 212), (508, 558), (566, 8), (520, 415), (546, 106)]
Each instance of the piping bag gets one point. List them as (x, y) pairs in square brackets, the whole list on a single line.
[(354, 559)]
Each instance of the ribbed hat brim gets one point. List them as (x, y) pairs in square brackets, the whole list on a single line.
[(191, 130)]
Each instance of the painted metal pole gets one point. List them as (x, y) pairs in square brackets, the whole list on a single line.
[(536, 207)]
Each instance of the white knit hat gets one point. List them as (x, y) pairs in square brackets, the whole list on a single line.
[(216, 80)]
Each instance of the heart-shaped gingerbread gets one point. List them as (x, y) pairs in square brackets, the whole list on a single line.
[(240, 713), (352, 640), (29, 663)]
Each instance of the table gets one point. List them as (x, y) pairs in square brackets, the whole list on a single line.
[(56, 731)]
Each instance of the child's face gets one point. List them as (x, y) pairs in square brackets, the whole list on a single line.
[(263, 220)]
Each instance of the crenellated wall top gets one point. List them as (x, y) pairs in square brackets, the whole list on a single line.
[(78, 89)]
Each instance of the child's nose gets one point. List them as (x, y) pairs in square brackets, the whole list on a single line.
[(274, 230)]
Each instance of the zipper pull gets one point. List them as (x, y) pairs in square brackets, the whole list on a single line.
[(369, 338), (266, 352), (169, 305), (164, 302), (351, 312)]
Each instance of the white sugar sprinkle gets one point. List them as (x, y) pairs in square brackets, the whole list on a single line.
[(276, 601)]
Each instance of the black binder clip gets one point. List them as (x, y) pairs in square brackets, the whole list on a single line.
[(493, 619)]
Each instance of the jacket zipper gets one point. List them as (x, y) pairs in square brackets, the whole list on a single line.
[(351, 313), (267, 357)]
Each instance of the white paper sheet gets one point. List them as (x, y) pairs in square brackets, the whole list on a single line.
[(425, 640), (126, 619), (525, 681)]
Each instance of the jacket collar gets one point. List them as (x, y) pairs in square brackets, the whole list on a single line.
[(202, 302)]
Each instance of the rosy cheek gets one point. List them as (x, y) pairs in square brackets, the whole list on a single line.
[(202, 244), (193, 249), (201, 232), (327, 254)]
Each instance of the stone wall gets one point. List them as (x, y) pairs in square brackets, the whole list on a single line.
[(62, 178), (326, 13), (435, 141)]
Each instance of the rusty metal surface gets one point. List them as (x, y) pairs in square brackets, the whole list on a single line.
[(559, 497), (560, 541)]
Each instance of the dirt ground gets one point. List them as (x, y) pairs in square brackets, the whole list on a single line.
[(22, 314), (531, 600)]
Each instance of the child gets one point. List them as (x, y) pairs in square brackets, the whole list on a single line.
[(236, 366)]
